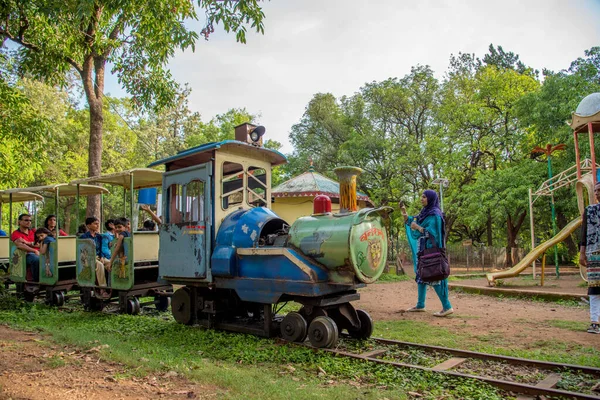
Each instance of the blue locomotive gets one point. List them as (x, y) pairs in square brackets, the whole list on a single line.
[(238, 261)]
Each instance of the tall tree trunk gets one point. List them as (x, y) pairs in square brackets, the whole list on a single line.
[(488, 228), (512, 229), (92, 76), (95, 154)]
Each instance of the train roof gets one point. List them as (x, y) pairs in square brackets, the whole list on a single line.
[(63, 189), (275, 157), (19, 196), (142, 178)]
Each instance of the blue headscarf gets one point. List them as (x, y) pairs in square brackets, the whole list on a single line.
[(432, 207)]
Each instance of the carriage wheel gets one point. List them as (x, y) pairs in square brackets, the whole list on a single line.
[(294, 327), (181, 306), (133, 306), (162, 302), (58, 298), (366, 326), (95, 304), (323, 332)]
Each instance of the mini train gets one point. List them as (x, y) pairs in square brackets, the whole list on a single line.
[(234, 261)]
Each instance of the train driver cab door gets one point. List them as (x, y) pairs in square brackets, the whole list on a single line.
[(185, 235)]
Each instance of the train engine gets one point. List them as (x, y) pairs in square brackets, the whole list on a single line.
[(239, 263)]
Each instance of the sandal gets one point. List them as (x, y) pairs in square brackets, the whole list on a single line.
[(444, 313)]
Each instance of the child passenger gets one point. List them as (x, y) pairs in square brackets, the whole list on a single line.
[(121, 232), (43, 237)]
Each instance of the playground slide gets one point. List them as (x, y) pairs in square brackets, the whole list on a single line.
[(535, 253)]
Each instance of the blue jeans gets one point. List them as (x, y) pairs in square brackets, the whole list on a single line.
[(33, 264), (441, 290)]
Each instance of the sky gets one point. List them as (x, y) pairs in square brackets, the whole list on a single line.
[(336, 46)]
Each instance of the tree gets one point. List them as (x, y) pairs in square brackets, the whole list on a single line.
[(478, 111), (137, 36), (21, 131), (386, 129)]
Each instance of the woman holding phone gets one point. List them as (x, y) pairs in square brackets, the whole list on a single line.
[(429, 221)]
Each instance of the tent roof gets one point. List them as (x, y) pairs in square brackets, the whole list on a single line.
[(63, 189), (19, 197), (142, 178)]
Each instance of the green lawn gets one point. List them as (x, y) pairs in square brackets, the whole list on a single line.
[(239, 366)]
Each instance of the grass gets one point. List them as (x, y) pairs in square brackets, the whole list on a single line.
[(576, 326), (237, 366), (491, 342), (386, 278)]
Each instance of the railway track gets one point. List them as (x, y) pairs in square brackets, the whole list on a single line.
[(467, 364)]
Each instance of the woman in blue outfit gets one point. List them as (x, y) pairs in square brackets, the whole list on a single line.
[(430, 220)]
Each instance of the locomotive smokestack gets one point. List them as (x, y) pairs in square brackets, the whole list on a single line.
[(347, 178)]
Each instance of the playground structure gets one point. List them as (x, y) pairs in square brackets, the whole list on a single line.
[(586, 119)]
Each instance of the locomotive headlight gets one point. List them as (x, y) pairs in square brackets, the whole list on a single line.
[(257, 133)]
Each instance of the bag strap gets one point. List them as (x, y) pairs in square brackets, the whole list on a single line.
[(431, 238)]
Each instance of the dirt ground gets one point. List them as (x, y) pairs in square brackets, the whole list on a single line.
[(519, 321), (32, 370)]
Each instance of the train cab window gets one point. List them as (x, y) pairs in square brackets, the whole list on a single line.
[(194, 202), (257, 187), (186, 202), (232, 185), (176, 208)]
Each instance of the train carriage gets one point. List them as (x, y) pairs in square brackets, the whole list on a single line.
[(9, 198), (238, 260), (135, 274), (56, 268)]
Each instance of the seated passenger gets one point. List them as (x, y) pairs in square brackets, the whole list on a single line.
[(44, 237), (118, 248), (102, 263), (110, 229), (154, 217), (149, 226), (24, 239), (50, 224), (81, 229)]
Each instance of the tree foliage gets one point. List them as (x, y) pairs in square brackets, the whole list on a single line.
[(137, 37)]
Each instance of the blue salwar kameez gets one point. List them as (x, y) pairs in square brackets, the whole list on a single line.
[(434, 225)]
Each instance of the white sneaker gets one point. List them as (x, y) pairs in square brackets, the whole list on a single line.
[(444, 313), (416, 309)]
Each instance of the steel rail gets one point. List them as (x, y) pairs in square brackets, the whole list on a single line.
[(509, 386), (495, 357)]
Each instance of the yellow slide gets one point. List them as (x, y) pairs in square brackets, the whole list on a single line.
[(535, 253)]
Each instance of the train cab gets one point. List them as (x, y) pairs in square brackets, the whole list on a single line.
[(204, 185)]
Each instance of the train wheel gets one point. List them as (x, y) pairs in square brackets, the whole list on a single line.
[(58, 298), (28, 295), (323, 332), (294, 327), (314, 313), (181, 306), (133, 306), (162, 302), (366, 326), (95, 304)]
